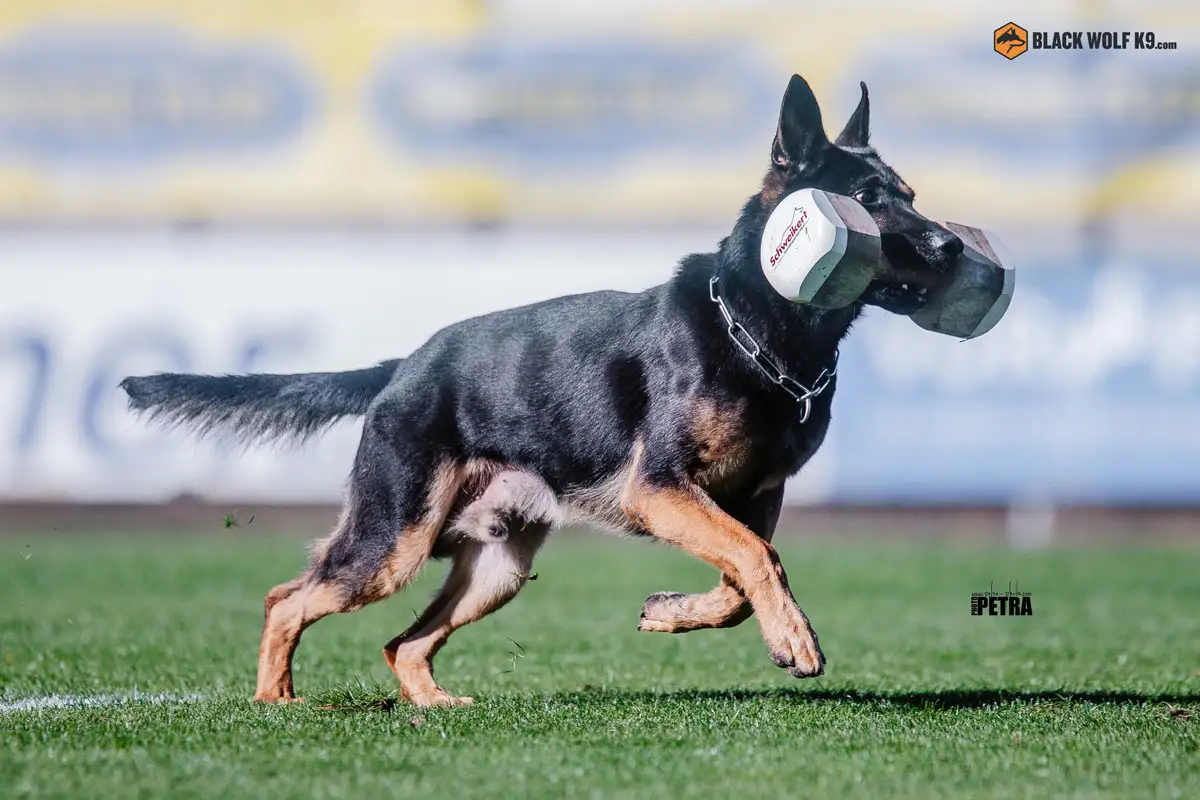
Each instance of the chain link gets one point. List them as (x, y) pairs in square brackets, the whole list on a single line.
[(748, 345)]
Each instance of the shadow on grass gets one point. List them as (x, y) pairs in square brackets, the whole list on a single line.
[(364, 696), (947, 699)]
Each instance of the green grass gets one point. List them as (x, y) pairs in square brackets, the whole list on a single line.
[(1097, 694)]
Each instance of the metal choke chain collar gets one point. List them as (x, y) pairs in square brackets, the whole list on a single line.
[(747, 344)]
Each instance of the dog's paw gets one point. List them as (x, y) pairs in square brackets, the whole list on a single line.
[(437, 697), (277, 699), (799, 652), (659, 613)]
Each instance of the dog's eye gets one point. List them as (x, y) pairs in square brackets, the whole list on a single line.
[(868, 196)]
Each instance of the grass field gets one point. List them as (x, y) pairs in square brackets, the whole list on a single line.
[(1096, 694)]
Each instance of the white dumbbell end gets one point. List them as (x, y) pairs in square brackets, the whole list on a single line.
[(820, 248)]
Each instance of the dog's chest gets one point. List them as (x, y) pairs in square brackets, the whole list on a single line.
[(737, 452)]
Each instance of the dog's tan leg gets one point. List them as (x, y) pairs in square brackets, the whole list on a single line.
[(672, 612), (345, 582), (483, 578), (290, 608), (723, 606), (689, 519)]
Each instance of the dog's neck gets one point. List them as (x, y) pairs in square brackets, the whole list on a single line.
[(803, 339)]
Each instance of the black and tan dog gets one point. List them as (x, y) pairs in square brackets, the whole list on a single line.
[(676, 413)]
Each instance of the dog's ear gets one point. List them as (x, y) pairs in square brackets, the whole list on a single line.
[(857, 132), (800, 139)]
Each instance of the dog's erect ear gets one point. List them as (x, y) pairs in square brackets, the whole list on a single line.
[(800, 138), (857, 132)]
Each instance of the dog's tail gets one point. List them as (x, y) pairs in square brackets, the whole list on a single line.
[(258, 408)]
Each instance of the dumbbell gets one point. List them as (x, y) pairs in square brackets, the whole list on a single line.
[(822, 249)]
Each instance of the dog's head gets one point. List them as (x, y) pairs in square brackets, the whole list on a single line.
[(918, 250)]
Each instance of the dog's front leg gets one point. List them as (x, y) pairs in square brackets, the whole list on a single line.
[(688, 518), (723, 606)]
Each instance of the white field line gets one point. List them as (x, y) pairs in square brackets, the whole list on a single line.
[(59, 701)]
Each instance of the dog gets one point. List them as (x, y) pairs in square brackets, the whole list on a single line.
[(676, 413)]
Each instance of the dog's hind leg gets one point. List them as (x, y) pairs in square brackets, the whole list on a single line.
[(290, 608), (395, 511), (483, 577)]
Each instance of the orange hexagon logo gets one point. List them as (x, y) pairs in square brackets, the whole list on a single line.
[(1010, 40)]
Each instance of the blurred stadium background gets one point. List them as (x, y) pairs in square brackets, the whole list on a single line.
[(223, 186)]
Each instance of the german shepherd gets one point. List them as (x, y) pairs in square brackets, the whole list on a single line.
[(676, 413)]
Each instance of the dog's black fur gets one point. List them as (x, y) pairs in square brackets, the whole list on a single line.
[(565, 389)]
